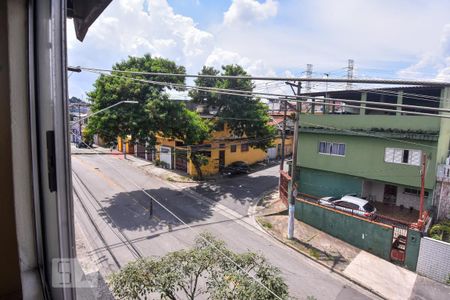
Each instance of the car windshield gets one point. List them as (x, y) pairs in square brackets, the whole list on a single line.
[(369, 207)]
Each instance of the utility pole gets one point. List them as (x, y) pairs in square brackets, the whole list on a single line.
[(79, 123), (422, 184), (283, 134), (350, 73), (309, 68), (327, 75), (292, 186)]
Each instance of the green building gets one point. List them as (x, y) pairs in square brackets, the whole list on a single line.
[(376, 155)]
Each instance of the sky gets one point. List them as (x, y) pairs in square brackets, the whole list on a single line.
[(386, 39)]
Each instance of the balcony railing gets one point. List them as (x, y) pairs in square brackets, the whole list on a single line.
[(443, 173)]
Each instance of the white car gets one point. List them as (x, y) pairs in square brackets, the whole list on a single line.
[(350, 204)]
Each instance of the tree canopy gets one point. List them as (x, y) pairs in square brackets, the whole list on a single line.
[(208, 270), (130, 119), (245, 116)]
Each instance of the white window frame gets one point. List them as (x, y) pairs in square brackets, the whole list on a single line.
[(411, 151), (329, 147)]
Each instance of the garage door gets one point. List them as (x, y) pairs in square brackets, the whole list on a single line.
[(181, 160), (272, 153)]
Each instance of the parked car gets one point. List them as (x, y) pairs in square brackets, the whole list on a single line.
[(350, 204), (84, 145), (237, 167)]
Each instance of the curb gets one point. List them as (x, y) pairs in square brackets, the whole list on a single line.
[(318, 261)]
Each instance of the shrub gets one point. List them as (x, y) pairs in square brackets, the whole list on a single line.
[(440, 231)]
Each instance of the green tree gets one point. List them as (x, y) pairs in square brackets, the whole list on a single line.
[(204, 97), (245, 116), (130, 119), (176, 121), (208, 270)]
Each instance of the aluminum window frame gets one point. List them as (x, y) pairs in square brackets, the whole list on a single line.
[(50, 143), (329, 147), (403, 151)]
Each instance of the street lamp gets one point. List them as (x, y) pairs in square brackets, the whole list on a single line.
[(106, 108)]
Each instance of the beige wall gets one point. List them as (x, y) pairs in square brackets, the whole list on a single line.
[(376, 190)]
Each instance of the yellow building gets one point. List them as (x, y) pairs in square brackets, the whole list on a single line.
[(129, 147), (222, 149)]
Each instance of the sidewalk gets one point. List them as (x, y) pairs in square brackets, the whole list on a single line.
[(166, 174), (148, 166), (369, 271)]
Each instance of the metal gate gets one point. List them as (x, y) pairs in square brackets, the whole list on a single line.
[(399, 237), (181, 160), (399, 243), (284, 186), (140, 151)]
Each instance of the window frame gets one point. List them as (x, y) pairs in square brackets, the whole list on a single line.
[(329, 148), (409, 191), (410, 153), (233, 148), (246, 149)]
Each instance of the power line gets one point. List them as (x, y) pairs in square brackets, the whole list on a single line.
[(251, 94), (184, 223), (371, 81)]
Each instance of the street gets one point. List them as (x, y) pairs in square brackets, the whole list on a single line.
[(112, 206)]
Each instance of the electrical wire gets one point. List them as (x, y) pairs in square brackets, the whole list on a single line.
[(251, 94), (187, 225), (373, 81)]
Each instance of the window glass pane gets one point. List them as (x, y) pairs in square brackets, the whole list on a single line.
[(415, 157), (334, 149), (398, 155), (405, 156), (322, 147), (369, 207), (341, 149), (328, 148), (233, 148), (389, 155)]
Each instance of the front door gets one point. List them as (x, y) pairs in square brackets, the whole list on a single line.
[(390, 194), (221, 160)]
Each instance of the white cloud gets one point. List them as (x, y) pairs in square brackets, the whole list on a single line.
[(377, 34), (220, 57), (248, 11), (433, 64), (125, 28)]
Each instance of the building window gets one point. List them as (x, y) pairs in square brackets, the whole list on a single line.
[(244, 147), (221, 146), (328, 148), (414, 192), (233, 148), (403, 156)]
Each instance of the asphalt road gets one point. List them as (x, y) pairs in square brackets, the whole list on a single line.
[(240, 191), (111, 192)]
